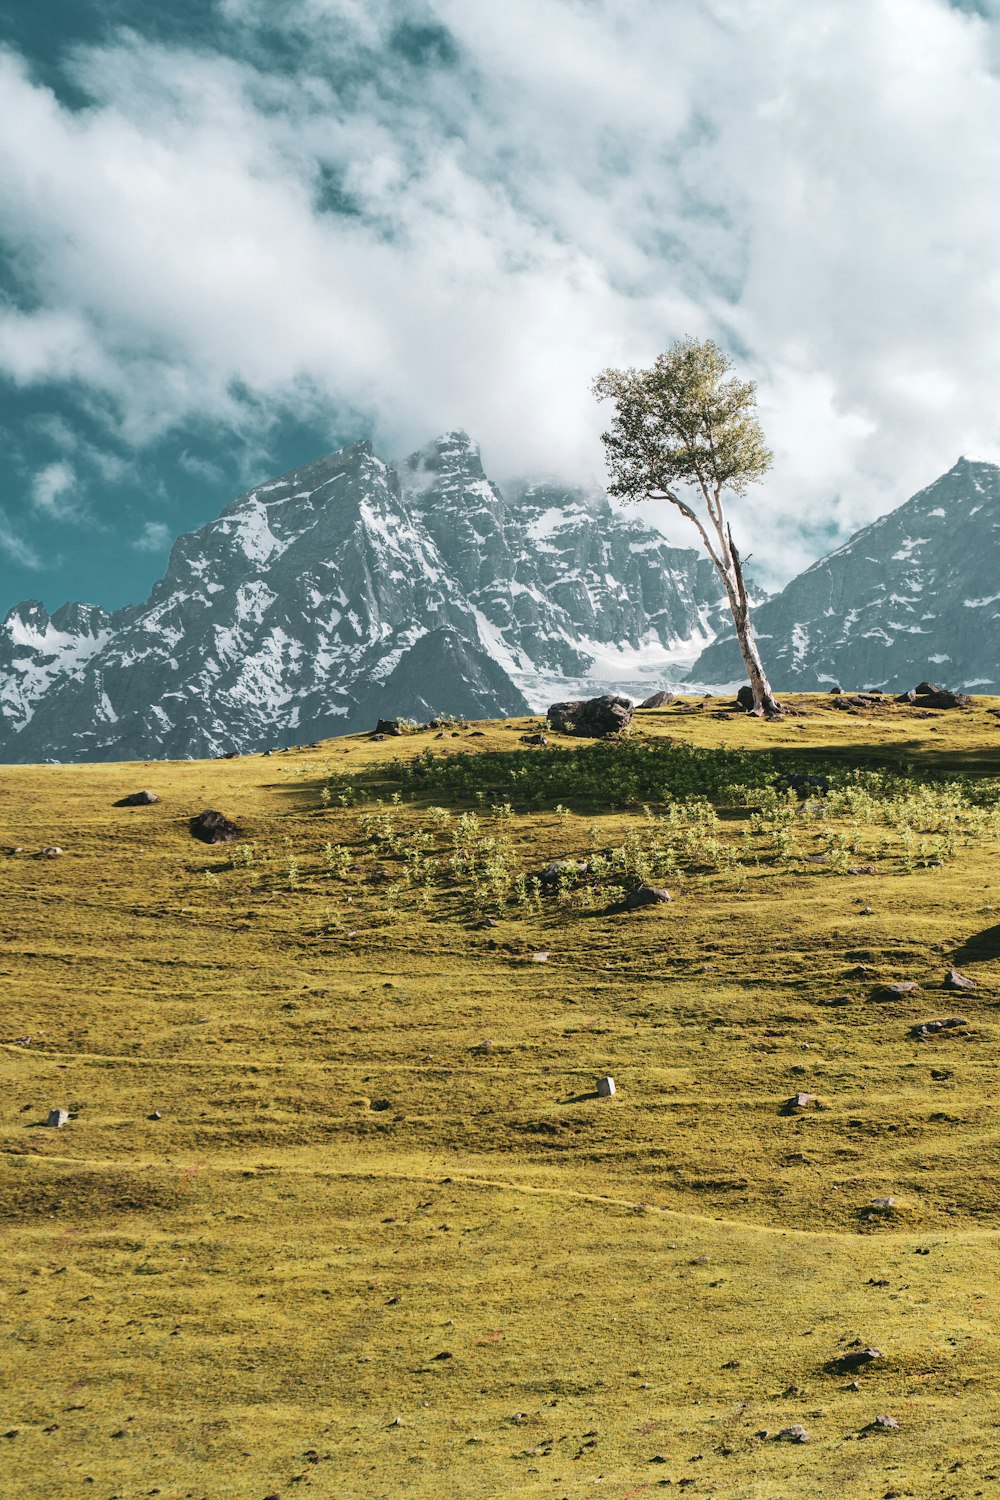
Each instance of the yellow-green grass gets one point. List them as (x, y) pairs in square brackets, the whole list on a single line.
[(240, 1298)]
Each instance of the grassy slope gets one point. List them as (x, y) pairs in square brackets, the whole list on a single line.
[(238, 1299)]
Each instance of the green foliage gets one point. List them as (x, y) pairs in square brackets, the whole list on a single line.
[(686, 420)]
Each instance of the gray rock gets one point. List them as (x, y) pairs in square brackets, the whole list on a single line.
[(57, 1118), (50, 851), (883, 1424), (646, 895), (211, 827), (896, 991), (956, 980), (596, 718), (854, 1359), (794, 1434), (662, 699), (144, 798), (606, 1087)]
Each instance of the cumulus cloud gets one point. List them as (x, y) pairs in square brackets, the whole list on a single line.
[(155, 536), (54, 492), (441, 214)]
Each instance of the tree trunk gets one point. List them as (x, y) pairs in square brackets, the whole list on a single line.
[(763, 697)]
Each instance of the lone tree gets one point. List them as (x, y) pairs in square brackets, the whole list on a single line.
[(687, 422)]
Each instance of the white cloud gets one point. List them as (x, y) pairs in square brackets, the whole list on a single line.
[(54, 492), (16, 547), (810, 184), (155, 536)]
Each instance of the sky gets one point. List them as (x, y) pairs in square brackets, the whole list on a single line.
[(235, 235)]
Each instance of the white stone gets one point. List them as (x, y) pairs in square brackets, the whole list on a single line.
[(56, 1118), (605, 1087)]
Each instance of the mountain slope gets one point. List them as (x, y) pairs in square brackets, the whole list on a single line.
[(915, 594), (334, 594)]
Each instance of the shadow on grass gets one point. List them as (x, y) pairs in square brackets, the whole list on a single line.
[(981, 946)]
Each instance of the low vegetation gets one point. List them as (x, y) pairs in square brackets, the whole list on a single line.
[(337, 1208)]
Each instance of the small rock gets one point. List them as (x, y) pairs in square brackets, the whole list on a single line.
[(396, 1422), (539, 958), (883, 1424), (794, 1434), (388, 726), (605, 1087), (57, 1117), (797, 1102), (558, 869), (533, 739), (854, 1359), (896, 991), (956, 980), (155, 1115), (882, 1205), (51, 851), (145, 798), (662, 699), (212, 828), (926, 687), (925, 1029), (646, 895), (482, 1049), (909, 697)]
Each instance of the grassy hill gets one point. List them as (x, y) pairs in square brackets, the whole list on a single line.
[(337, 1210)]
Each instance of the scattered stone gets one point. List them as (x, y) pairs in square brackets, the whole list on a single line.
[(57, 1118), (861, 971), (598, 718), (837, 689), (896, 991), (854, 1359), (557, 869), (145, 798), (396, 1422), (388, 726), (51, 851), (212, 828), (482, 1049), (925, 1029), (909, 697), (861, 870), (882, 1205), (646, 895), (794, 1434), (606, 1087), (956, 980), (533, 739), (798, 1102), (926, 687), (445, 1354), (228, 755), (155, 1115), (662, 699), (883, 1424), (477, 734), (539, 958)]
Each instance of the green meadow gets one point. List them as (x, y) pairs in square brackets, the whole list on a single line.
[(337, 1210)]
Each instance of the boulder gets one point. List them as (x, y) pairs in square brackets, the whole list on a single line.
[(559, 869), (909, 697), (854, 1359), (956, 980), (57, 1118), (212, 828), (662, 699), (924, 1029), (533, 739), (944, 699), (646, 895), (744, 698), (144, 798), (605, 1087), (388, 726), (597, 718), (803, 784), (51, 851), (926, 687), (896, 991), (794, 1434)]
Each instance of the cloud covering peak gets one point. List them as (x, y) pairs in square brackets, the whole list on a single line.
[(395, 218)]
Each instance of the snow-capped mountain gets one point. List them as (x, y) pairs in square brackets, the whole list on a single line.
[(914, 595), (347, 590)]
